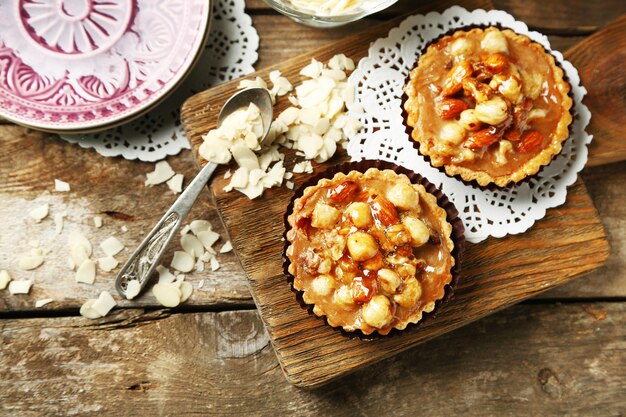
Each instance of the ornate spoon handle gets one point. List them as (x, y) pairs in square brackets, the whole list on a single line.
[(144, 260)]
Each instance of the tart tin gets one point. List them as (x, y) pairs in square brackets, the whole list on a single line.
[(457, 237), (491, 186)]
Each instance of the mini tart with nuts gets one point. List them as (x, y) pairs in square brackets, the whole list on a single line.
[(488, 105), (370, 251)]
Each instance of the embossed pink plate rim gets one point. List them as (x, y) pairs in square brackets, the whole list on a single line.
[(149, 103)]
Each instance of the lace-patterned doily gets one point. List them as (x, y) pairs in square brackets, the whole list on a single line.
[(230, 52), (379, 79)]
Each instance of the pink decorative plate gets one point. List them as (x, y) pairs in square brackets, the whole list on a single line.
[(89, 64)]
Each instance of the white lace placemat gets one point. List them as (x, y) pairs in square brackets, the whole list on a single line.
[(379, 79), (230, 52)]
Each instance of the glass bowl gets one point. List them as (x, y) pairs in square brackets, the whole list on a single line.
[(368, 7)]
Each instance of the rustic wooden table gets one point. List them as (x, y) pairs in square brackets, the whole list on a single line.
[(563, 353)]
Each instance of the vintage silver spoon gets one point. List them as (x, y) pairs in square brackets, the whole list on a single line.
[(144, 260)]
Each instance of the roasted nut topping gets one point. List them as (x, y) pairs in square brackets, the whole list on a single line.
[(362, 246), (492, 112), (404, 197), (364, 287), (389, 280), (530, 141), (343, 192), (469, 121), (325, 216), (450, 108), (494, 42), (377, 313), (454, 80), (476, 90), (462, 46), (496, 62), (484, 137), (384, 212), (411, 293), (453, 133), (398, 235)]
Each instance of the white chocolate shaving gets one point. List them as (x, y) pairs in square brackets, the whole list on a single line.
[(31, 261), (107, 263), (39, 213), (192, 245), (86, 310), (78, 255), (168, 295), (78, 239), (111, 246), (165, 276), (103, 304), (215, 265), (43, 302), (182, 261), (208, 238), (132, 289), (58, 223), (186, 289), (227, 247), (86, 272), (97, 221), (20, 286), (5, 278), (162, 172), (198, 226), (257, 82), (61, 186)]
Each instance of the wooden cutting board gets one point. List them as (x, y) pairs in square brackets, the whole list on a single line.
[(497, 273)]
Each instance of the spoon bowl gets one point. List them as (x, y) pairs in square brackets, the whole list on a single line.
[(260, 97)]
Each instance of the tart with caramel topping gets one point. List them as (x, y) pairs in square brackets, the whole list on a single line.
[(488, 105), (369, 251)]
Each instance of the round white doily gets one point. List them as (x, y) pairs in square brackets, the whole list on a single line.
[(379, 79), (230, 52)]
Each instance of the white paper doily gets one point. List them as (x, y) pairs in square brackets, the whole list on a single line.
[(230, 52), (379, 79)]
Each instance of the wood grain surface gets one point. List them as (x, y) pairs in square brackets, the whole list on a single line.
[(26, 177), (112, 188), (497, 273), (529, 360), (597, 59), (538, 358)]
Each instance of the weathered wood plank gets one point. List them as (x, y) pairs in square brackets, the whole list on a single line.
[(25, 175), (98, 185), (528, 360), (606, 187), (277, 34), (597, 59), (573, 17)]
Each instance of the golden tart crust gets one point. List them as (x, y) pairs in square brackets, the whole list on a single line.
[(498, 120), (370, 251)]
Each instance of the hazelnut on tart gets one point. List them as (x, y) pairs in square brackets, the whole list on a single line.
[(489, 105), (371, 251)]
